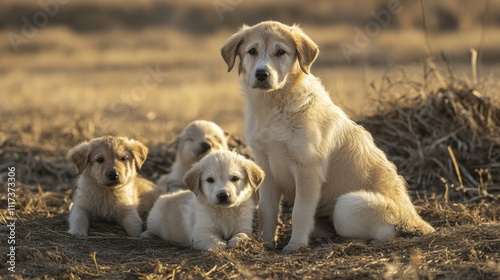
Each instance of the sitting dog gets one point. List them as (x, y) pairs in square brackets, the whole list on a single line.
[(198, 139), (312, 153), (108, 186), (218, 210)]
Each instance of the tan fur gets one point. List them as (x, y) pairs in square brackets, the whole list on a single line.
[(312, 153), (122, 198), (197, 217), (189, 150)]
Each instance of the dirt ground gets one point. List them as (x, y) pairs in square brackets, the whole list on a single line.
[(77, 78)]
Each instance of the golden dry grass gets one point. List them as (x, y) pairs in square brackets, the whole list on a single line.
[(78, 79)]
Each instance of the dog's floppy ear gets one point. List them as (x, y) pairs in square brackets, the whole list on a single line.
[(175, 145), (192, 179), (79, 155), (255, 174), (307, 50), (139, 152), (231, 47)]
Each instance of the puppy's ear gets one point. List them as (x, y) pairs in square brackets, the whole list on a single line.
[(192, 179), (307, 50), (175, 145), (79, 155), (255, 174), (139, 152), (231, 48)]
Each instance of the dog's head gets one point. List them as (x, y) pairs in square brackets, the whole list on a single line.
[(271, 54), (224, 178), (109, 161), (198, 139)]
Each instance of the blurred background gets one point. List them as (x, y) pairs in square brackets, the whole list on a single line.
[(157, 63)]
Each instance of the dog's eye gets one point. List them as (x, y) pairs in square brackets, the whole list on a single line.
[(280, 52), (210, 180), (123, 158), (100, 160), (235, 179), (252, 51)]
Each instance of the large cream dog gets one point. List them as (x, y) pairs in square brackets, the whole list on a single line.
[(198, 139), (218, 210), (108, 186), (312, 153)]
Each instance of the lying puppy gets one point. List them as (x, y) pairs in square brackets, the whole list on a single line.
[(108, 185), (198, 139), (217, 212), (312, 153)]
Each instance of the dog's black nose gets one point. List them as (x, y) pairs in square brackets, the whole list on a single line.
[(261, 74), (205, 146), (223, 196), (112, 175)]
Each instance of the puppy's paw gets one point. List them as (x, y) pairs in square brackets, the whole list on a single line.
[(146, 235), (237, 238), (132, 224), (78, 232), (293, 247), (213, 245), (220, 245)]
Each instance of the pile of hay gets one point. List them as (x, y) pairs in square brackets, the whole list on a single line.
[(449, 138)]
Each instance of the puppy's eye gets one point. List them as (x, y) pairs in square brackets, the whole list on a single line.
[(252, 51), (235, 179), (123, 158), (100, 160), (280, 52), (210, 180)]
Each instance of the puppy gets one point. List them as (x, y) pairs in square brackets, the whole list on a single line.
[(218, 210), (108, 186), (312, 153), (198, 139)]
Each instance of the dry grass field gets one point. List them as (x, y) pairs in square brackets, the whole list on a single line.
[(145, 69)]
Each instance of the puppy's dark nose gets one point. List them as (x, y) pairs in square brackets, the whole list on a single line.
[(223, 196), (205, 146), (112, 175), (261, 74)]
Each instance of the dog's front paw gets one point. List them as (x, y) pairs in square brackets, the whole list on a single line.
[(293, 247), (210, 244), (146, 235), (78, 232), (237, 238), (132, 224)]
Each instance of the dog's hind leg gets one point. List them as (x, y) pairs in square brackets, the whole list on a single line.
[(365, 215)]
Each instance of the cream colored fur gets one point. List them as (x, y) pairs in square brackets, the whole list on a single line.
[(122, 200), (313, 155), (197, 218), (190, 150)]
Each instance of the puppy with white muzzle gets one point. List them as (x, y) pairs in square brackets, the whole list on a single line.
[(108, 186), (218, 210), (197, 140)]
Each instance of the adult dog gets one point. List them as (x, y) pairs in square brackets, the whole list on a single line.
[(312, 153), (108, 186), (218, 210)]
